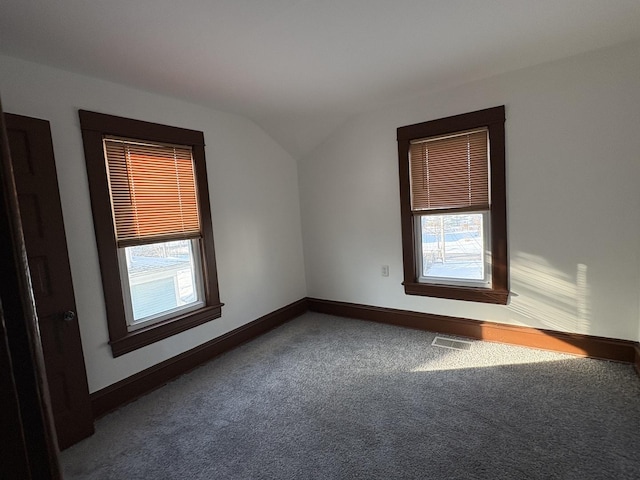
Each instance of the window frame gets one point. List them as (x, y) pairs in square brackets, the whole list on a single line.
[(94, 127), (493, 119)]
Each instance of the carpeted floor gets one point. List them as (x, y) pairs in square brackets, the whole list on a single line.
[(324, 397)]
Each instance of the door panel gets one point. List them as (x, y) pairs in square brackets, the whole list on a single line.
[(29, 449), (41, 213)]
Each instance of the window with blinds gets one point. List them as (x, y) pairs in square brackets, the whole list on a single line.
[(153, 226), (153, 191), (453, 207), (450, 172)]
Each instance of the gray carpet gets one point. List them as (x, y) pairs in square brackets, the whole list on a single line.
[(324, 397)]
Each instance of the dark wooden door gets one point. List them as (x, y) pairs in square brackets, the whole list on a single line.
[(39, 201), (29, 449)]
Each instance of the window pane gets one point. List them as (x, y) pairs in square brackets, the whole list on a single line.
[(162, 278), (453, 246)]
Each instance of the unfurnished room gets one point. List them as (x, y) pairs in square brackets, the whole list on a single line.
[(320, 239)]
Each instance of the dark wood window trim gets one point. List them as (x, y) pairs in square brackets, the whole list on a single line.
[(493, 119), (94, 127)]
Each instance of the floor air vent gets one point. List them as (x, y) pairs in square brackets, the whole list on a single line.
[(451, 343)]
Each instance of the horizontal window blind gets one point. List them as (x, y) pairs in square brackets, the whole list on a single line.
[(450, 172), (153, 191)]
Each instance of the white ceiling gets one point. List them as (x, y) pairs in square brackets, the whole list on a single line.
[(299, 68)]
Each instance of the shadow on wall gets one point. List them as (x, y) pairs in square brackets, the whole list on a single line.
[(545, 294)]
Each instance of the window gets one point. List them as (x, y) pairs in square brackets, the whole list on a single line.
[(453, 207), (150, 202)]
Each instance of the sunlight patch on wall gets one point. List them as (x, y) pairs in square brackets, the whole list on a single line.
[(549, 296)]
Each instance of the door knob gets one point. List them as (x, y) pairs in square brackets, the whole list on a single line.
[(69, 316)]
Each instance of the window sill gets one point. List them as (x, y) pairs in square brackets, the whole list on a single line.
[(159, 331), (471, 294)]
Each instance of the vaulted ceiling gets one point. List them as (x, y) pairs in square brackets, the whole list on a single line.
[(299, 68)]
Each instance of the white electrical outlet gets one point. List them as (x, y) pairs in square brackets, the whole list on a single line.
[(385, 270)]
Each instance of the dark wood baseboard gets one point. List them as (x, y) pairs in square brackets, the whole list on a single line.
[(120, 393), (582, 345)]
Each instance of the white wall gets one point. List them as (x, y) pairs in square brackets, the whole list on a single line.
[(254, 202), (573, 173)]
